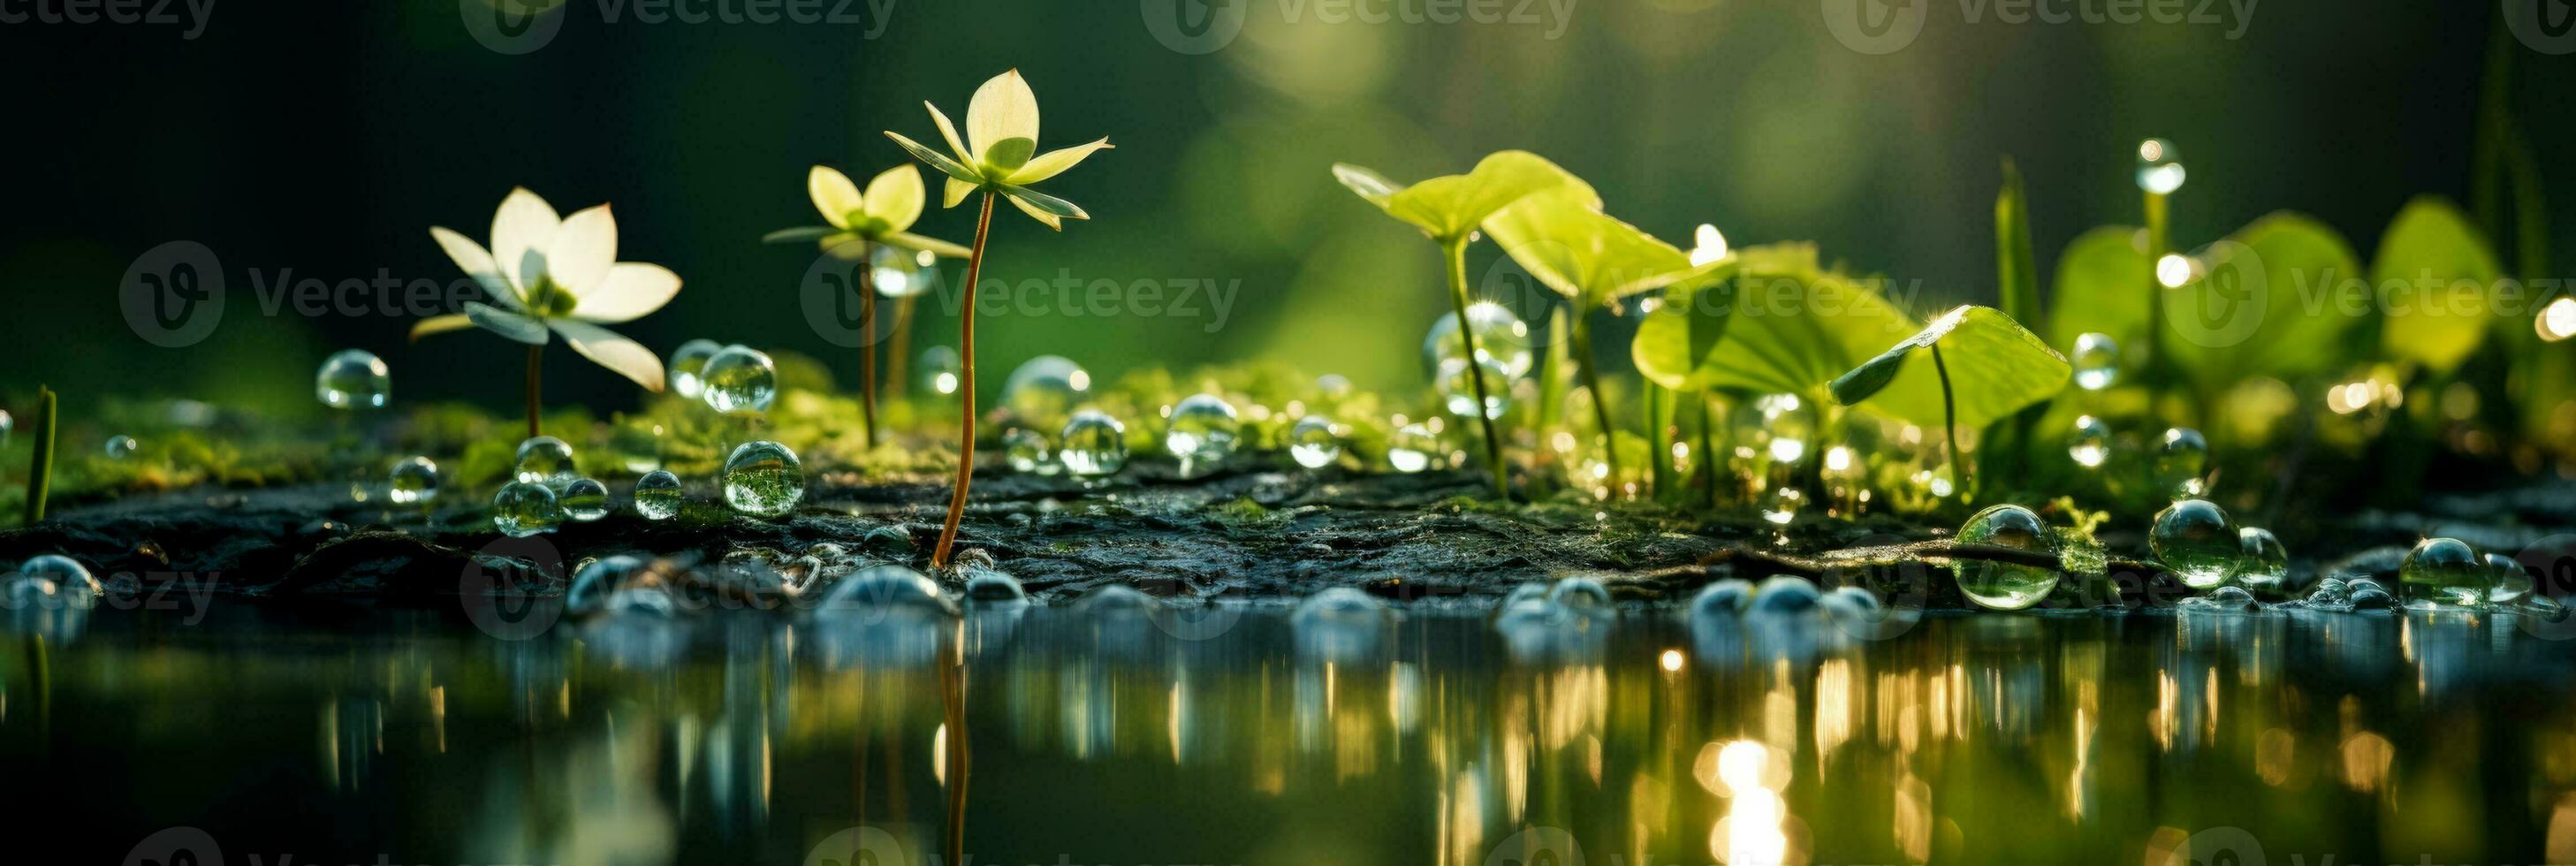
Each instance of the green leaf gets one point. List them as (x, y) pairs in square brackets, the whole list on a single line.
[(2016, 273), (1044, 202), (2437, 280), (1587, 255), (2102, 287), (1677, 344), (2279, 298), (1996, 368), (798, 235), (1797, 326), (937, 160), (937, 247), (1450, 206)]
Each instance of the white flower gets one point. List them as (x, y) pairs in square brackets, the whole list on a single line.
[(558, 274), (1002, 126)]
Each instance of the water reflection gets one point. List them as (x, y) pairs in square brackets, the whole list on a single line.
[(1343, 732)]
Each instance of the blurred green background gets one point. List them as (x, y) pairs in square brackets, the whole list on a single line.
[(327, 138)]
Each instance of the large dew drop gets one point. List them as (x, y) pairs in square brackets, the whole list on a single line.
[(1027, 450), (2192, 537), (545, 460), (740, 380), (2002, 585), (1203, 431), (584, 500), (2512, 581), (1093, 445), (121, 446), (2447, 572), (2089, 444), (2266, 568), (1458, 392), (1044, 392), (1501, 338), (2097, 361), (2182, 463), (1412, 448), (68, 576), (353, 379), (525, 508), (657, 495), (763, 478), (688, 367), (414, 482), (1312, 442), (883, 590)]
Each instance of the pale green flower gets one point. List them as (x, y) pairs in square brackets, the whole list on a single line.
[(560, 275), (882, 215), (1000, 151)]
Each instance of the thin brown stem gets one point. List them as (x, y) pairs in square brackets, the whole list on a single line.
[(535, 401), (868, 352), (965, 390)]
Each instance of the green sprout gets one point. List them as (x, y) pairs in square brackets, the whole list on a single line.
[(1002, 126), (40, 468), (1594, 261), (1992, 369), (560, 275), (1449, 209), (859, 223)]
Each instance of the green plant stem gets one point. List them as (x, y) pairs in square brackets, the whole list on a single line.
[(1659, 429), (40, 469), (898, 351), (868, 351), (1950, 420), (965, 390), (1582, 332), (1455, 251), (535, 354), (1707, 447)]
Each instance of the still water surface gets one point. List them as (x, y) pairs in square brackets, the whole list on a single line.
[(1072, 736)]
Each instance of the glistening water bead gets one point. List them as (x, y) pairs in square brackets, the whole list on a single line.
[(120, 447), (2512, 581), (689, 365), (740, 380), (1412, 448), (1203, 430), (1027, 451), (545, 460), (937, 370), (353, 379), (1500, 337), (2090, 442), (1788, 426), (584, 500), (900, 273), (2193, 538), (2266, 566), (414, 481), (2097, 361), (2002, 585), (763, 478), (1044, 391), (525, 508), (2445, 571), (1312, 442), (1093, 445), (657, 495), (2182, 463), (1458, 392)]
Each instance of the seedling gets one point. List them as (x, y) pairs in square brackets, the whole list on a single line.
[(859, 223), (40, 468), (1972, 366)]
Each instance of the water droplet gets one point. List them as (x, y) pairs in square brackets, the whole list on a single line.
[(740, 380), (2004, 585), (1333, 386), (1339, 607), (2182, 461), (657, 495), (353, 379), (900, 273), (1312, 442), (1787, 427), (1501, 338), (414, 482), (584, 500), (988, 587), (545, 460), (1785, 594), (2230, 598), (525, 508), (937, 370), (1723, 599), (2160, 168), (2090, 443), (2545, 608), (596, 581), (2193, 538), (1458, 393), (1094, 444), (2267, 563), (1027, 451), (66, 574), (880, 590), (1203, 430), (2330, 592), (2512, 581), (7, 426), (1044, 391), (120, 447), (2445, 571), (1781, 504), (2097, 361), (1580, 594), (763, 478), (1411, 448), (2370, 597), (688, 367)]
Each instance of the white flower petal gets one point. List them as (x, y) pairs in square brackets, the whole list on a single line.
[(509, 325), (1004, 109), (477, 264), (834, 195), (629, 292), (520, 231), (948, 131), (957, 191), (614, 352), (582, 250), (1054, 163), (896, 196), (1052, 221)]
